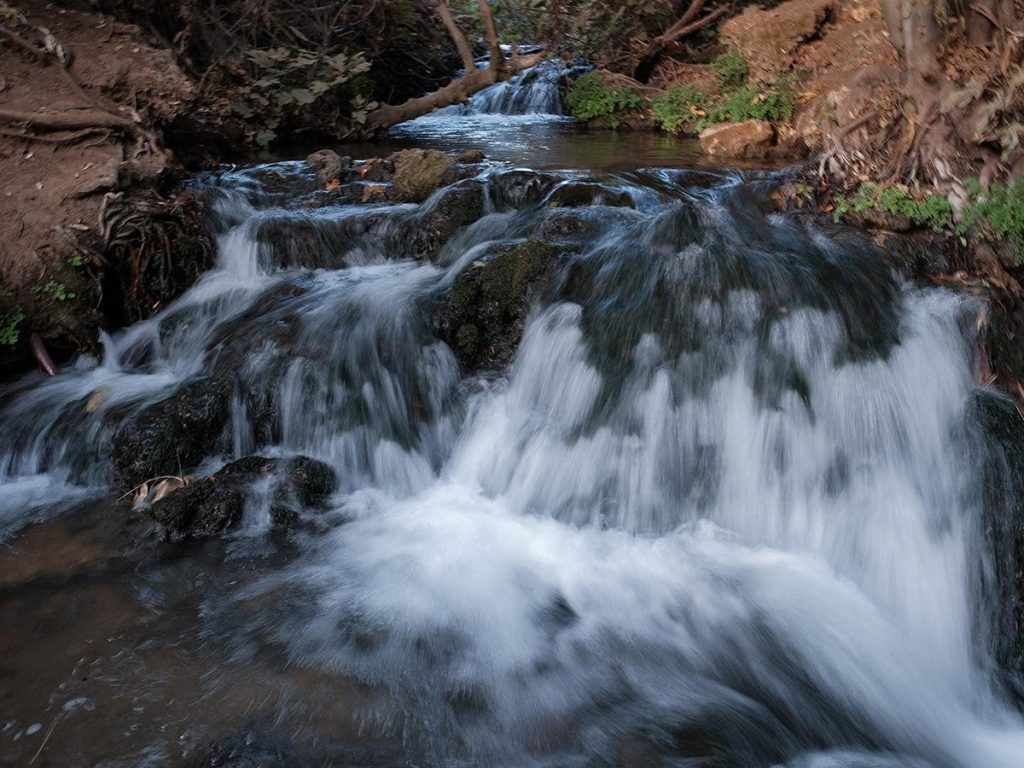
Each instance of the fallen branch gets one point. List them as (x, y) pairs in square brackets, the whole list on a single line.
[(683, 27), (76, 136)]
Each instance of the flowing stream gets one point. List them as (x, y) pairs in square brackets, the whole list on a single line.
[(724, 507)]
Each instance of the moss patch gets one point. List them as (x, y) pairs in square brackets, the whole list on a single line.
[(482, 316)]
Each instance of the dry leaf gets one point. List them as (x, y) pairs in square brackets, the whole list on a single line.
[(96, 399), (140, 494), (166, 486)]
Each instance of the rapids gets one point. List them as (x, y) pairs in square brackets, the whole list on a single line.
[(724, 507)]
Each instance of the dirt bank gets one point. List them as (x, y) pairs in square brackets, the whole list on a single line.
[(84, 178)]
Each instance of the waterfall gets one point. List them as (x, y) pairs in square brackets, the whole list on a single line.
[(726, 499)]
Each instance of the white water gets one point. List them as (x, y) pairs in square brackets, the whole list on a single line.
[(725, 501)]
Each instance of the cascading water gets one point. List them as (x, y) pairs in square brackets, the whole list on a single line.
[(725, 504)]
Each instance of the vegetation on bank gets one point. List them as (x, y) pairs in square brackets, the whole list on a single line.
[(996, 214), (685, 108)]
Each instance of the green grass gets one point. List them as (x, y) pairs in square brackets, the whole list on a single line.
[(590, 98)]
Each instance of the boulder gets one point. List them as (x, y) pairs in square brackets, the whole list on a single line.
[(769, 39), (750, 139), (419, 173), (573, 194), (216, 503), (173, 435), (472, 157), (328, 165), (456, 207), (483, 315)]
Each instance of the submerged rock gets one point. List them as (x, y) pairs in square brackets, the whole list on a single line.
[(419, 173), (210, 506), (173, 435), (483, 315), (575, 194), (750, 139)]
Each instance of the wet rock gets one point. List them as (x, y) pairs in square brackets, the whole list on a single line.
[(1002, 437), (214, 504), (769, 39), (419, 173), (173, 435), (563, 225), (750, 139), (456, 207), (573, 194), (482, 317), (374, 169), (519, 188), (328, 165), (472, 157)]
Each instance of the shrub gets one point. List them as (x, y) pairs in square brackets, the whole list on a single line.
[(750, 103), (590, 97), (1001, 210), (730, 70), (680, 106)]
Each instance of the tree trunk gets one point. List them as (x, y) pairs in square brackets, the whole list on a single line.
[(465, 52)]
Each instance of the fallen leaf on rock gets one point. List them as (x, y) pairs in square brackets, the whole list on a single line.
[(96, 399)]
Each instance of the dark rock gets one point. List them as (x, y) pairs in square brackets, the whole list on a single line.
[(328, 165), (574, 194), (375, 169), (519, 188), (210, 506), (472, 156), (566, 224), (1002, 462), (482, 316), (419, 173), (172, 435), (457, 206)]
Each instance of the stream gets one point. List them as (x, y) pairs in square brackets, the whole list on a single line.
[(722, 504)]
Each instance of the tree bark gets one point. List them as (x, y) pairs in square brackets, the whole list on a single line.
[(455, 92), (687, 24), (465, 52), (491, 34)]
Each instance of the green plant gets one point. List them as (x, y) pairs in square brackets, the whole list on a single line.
[(681, 105), (589, 97), (1000, 209), (750, 103), (58, 290), (730, 70), (10, 327), (933, 211), (76, 260)]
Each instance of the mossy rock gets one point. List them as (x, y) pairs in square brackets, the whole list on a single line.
[(483, 315), (419, 173), (215, 504)]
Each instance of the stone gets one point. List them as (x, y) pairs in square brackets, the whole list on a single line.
[(769, 39), (419, 173), (483, 316), (172, 435), (328, 165), (472, 157), (750, 139), (456, 207), (212, 505)]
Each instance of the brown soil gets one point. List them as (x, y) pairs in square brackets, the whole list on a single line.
[(53, 183)]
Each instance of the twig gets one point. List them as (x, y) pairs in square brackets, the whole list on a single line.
[(46, 738)]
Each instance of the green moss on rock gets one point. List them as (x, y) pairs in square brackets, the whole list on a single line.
[(419, 173), (482, 317)]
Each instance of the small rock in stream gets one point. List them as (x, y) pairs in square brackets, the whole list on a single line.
[(216, 503)]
